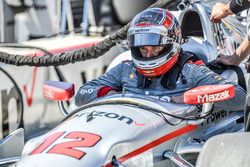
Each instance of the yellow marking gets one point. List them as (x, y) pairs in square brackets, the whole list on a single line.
[(131, 76)]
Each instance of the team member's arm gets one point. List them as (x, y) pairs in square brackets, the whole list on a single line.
[(221, 10)]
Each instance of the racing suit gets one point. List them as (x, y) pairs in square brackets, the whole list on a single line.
[(125, 77), (237, 6)]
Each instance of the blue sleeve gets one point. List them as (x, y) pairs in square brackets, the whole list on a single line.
[(88, 92)]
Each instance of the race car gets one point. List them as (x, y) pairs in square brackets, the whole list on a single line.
[(126, 130), (134, 134), (20, 93)]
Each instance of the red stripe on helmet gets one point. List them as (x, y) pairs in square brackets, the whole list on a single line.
[(144, 24), (168, 21)]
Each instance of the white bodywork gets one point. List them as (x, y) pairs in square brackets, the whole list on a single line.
[(135, 136)]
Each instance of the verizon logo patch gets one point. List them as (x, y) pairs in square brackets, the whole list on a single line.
[(213, 97)]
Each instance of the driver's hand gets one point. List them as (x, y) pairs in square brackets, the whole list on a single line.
[(177, 99)]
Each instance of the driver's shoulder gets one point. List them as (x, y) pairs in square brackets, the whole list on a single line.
[(123, 66), (126, 63), (191, 68)]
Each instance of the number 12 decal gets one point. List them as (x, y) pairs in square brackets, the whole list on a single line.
[(84, 139)]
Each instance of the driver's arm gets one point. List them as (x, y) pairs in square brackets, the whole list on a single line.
[(204, 76), (106, 84)]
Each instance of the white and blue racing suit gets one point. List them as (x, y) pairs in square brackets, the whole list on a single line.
[(124, 77)]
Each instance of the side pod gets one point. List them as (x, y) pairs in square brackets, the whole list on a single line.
[(11, 147)]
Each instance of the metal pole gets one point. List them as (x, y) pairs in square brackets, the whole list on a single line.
[(58, 15), (91, 13), (64, 16), (85, 17), (70, 18), (2, 25)]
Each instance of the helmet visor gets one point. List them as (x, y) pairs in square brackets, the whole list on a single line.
[(147, 39)]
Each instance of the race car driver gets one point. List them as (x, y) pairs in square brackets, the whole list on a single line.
[(159, 66)]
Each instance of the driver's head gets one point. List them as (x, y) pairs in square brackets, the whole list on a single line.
[(154, 38)]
